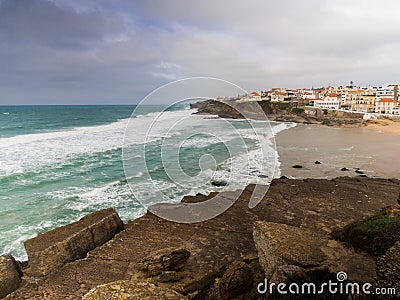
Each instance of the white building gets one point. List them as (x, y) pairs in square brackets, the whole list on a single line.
[(308, 95), (254, 96), (331, 101), (387, 106), (386, 91), (278, 96)]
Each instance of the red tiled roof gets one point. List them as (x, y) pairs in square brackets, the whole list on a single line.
[(388, 100), (357, 91), (333, 95)]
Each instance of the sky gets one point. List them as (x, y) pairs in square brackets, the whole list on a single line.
[(118, 51)]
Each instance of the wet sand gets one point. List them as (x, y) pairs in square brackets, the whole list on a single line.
[(373, 152), (385, 126)]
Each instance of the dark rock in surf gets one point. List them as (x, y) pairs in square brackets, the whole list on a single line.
[(219, 183)]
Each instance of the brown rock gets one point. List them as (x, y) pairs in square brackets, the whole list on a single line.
[(53, 249), (236, 281), (281, 245), (163, 260), (10, 277), (170, 276), (316, 204), (388, 268), (287, 251), (130, 290)]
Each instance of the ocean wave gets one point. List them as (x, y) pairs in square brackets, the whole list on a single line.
[(85, 152), (33, 151)]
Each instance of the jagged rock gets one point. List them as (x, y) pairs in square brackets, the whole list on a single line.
[(55, 248), (170, 276), (388, 268), (10, 275), (286, 251), (130, 290), (236, 281), (163, 260), (359, 172), (317, 204), (281, 245)]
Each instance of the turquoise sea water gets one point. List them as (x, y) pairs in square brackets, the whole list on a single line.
[(58, 163)]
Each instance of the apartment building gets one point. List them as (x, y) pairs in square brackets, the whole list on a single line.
[(331, 101), (360, 100), (388, 91), (387, 106)]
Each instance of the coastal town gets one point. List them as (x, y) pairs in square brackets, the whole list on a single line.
[(372, 101)]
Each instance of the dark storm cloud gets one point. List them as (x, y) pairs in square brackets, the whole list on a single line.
[(39, 22), (54, 54), (118, 51)]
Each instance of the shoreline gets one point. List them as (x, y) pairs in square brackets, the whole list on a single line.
[(385, 125), (342, 151)]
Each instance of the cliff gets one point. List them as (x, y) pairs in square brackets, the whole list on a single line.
[(278, 111), (220, 258)]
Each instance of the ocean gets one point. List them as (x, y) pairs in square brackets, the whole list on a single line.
[(59, 163)]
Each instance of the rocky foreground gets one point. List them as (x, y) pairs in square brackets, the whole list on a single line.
[(302, 229)]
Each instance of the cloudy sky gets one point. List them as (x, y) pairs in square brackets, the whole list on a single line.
[(117, 51)]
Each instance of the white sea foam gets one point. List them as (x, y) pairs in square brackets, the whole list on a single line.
[(31, 151), (13, 239)]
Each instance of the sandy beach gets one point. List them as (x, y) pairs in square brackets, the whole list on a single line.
[(385, 125), (359, 150)]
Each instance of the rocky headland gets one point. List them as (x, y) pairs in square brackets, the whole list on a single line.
[(301, 230), (278, 111)]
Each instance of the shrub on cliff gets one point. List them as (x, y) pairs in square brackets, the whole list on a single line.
[(375, 234), (297, 111)]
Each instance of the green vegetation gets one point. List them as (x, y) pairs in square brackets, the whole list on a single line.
[(283, 105), (266, 107), (274, 107), (374, 235), (297, 111), (326, 122)]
